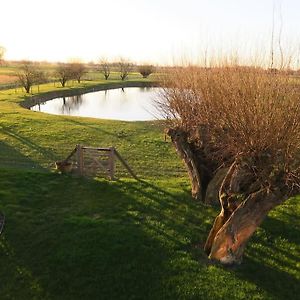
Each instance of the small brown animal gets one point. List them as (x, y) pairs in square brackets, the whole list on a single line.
[(63, 166)]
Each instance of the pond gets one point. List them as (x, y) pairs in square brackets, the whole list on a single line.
[(128, 104)]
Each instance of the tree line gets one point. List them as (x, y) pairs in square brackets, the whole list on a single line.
[(30, 73)]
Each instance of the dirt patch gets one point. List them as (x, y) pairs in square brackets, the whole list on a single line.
[(7, 79)]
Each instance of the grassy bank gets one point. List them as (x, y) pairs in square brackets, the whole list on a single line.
[(75, 238)]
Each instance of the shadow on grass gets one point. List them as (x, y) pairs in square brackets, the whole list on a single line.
[(286, 227), (272, 260), (28, 143), (76, 238), (80, 238), (12, 158), (97, 128), (28, 287), (276, 282)]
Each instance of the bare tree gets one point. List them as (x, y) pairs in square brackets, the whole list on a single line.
[(125, 67), (28, 75), (105, 68), (40, 77), (2, 53), (245, 123), (77, 69), (64, 73), (146, 70)]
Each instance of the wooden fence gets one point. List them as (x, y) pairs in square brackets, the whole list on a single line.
[(93, 161)]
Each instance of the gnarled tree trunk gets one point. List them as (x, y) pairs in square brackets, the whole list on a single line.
[(183, 148), (230, 241), (238, 218), (244, 202), (198, 173)]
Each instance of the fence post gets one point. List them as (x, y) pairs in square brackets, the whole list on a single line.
[(79, 159), (112, 163)]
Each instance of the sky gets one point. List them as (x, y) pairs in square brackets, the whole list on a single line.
[(144, 31)]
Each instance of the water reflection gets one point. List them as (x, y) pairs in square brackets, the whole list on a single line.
[(70, 104), (130, 104)]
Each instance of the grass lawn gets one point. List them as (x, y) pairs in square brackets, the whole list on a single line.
[(75, 238)]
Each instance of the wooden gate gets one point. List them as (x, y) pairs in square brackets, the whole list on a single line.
[(93, 161)]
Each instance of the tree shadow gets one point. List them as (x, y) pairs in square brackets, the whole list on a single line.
[(287, 228), (12, 158), (83, 238), (88, 239), (276, 282), (27, 142), (269, 262), (96, 128), (191, 224)]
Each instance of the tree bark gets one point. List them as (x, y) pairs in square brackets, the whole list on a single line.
[(230, 241), (27, 87), (183, 148), (227, 204), (240, 214)]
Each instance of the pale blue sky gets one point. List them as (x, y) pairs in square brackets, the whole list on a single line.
[(157, 31)]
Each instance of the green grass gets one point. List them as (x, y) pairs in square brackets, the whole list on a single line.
[(74, 238)]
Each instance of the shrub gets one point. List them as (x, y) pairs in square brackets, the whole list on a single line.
[(146, 70)]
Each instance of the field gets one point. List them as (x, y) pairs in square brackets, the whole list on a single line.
[(8, 78), (73, 238)]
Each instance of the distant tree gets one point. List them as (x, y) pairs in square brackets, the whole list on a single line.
[(77, 69), (40, 77), (28, 75), (125, 67), (64, 73), (2, 53), (105, 68), (146, 70)]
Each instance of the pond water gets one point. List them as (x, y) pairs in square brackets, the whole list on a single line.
[(129, 104)]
